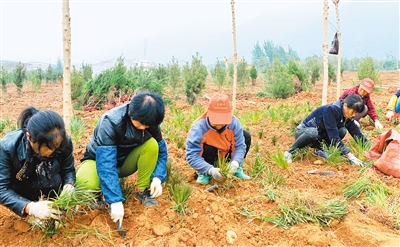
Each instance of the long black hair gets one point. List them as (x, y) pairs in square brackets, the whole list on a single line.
[(43, 126), (355, 102), (147, 108)]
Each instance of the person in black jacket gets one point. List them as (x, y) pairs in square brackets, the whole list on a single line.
[(126, 140), (36, 161), (330, 123)]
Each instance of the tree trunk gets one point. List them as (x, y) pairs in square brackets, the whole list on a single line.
[(336, 2), (234, 56), (325, 51), (67, 105)]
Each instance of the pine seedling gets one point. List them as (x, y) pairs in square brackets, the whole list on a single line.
[(70, 199), (357, 147), (223, 165), (258, 166), (180, 194), (173, 176), (279, 159), (77, 129), (272, 178), (333, 154)]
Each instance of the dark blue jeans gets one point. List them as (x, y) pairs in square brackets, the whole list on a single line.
[(210, 153), (309, 136)]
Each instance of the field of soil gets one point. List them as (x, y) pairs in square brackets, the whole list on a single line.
[(214, 215)]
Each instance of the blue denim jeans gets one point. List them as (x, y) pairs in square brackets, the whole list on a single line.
[(309, 136)]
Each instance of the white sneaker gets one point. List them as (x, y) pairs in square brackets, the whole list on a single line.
[(288, 157), (357, 123)]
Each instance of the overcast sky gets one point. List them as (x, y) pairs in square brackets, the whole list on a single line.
[(101, 30)]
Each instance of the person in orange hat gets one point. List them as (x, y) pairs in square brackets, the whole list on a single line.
[(364, 89), (217, 133)]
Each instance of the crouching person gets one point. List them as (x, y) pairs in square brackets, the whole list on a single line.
[(329, 124), (36, 163), (126, 140), (217, 133)]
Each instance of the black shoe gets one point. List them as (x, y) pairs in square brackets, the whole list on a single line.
[(144, 196), (99, 203)]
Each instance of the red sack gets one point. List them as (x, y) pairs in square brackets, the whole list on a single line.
[(386, 152)]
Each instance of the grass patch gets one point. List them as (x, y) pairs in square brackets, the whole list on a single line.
[(293, 209)]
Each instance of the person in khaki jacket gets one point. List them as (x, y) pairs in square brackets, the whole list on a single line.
[(393, 106)]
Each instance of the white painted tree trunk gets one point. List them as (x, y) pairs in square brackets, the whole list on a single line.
[(67, 105), (325, 51), (234, 56), (338, 86)]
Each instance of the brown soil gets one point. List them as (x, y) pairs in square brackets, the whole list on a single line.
[(214, 214)]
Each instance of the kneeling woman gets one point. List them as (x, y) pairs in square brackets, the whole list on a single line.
[(330, 123), (35, 160)]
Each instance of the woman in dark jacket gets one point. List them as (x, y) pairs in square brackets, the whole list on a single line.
[(126, 140), (329, 123), (35, 161)]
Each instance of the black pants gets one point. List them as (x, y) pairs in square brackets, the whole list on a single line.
[(210, 153)]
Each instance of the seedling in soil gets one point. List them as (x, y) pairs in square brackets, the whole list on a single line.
[(180, 194)]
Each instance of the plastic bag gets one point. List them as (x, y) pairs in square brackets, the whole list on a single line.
[(335, 45), (386, 152)]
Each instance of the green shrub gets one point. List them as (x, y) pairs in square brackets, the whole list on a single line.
[(19, 76), (314, 67), (218, 74), (253, 74), (367, 70), (242, 73), (77, 83), (194, 77), (279, 81), (174, 75), (294, 68)]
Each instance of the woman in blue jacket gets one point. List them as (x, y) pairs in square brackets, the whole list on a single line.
[(127, 139), (330, 123), (36, 160)]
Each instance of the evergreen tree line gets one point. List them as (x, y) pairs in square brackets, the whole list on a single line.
[(283, 74)]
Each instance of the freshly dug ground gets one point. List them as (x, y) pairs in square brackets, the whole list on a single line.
[(214, 216)]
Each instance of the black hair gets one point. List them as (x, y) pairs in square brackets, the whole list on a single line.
[(43, 126), (355, 102), (147, 108)]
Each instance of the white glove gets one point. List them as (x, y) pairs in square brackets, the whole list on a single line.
[(389, 114), (378, 125), (43, 210), (357, 123), (233, 166), (67, 189), (117, 212), (155, 187), (216, 174), (354, 160)]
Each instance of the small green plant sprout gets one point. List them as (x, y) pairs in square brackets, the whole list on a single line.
[(180, 194), (377, 196), (77, 129), (224, 166), (258, 166), (274, 140), (333, 154), (372, 190), (301, 153), (272, 178), (126, 187), (279, 160), (173, 175), (357, 147), (68, 200), (294, 208)]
